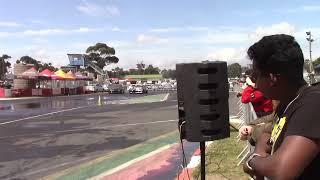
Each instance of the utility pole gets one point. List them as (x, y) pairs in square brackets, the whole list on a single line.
[(311, 69)]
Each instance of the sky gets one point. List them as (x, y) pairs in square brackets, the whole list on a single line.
[(161, 33)]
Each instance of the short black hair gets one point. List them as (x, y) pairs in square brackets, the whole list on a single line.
[(280, 54), (248, 72)]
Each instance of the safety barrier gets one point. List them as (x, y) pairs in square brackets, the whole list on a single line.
[(247, 115)]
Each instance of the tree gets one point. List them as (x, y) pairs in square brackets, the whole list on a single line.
[(117, 72), (172, 74), (141, 66), (30, 60), (316, 62), (38, 65), (101, 54), (151, 70), (164, 73), (133, 72), (234, 70), (168, 74), (47, 66), (4, 65)]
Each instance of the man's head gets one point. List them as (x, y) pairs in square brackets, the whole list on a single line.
[(277, 64)]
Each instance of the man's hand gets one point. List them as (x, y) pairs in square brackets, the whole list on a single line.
[(251, 173), (245, 132), (239, 94), (262, 146)]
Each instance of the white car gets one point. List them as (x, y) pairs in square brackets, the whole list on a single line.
[(106, 87), (94, 88), (138, 89)]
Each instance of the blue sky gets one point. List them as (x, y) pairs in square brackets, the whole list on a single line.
[(161, 33)]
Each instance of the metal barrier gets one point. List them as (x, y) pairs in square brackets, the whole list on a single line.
[(247, 115)]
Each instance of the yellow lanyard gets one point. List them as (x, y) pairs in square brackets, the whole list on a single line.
[(278, 127)]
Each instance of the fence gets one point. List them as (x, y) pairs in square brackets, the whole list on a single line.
[(247, 115)]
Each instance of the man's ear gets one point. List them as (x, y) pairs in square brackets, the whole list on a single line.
[(273, 80)]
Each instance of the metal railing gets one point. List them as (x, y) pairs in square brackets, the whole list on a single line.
[(247, 115), (97, 68)]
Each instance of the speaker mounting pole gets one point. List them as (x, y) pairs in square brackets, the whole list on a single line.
[(203, 159)]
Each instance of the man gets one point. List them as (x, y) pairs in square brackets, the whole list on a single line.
[(290, 149), (262, 105)]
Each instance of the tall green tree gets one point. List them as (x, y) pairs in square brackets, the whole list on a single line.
[(316, 62), (40, 66), (117, 72), (47, 66), (101, 54), (234, 70), (168, 73), (152, 70), (4, 65), (133, 72), (29, 60), (141, 66), (164, 73)]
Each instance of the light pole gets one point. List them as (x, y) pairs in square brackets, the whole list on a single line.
[(311, 69)]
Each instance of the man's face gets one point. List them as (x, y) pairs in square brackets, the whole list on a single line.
[(262, 81)]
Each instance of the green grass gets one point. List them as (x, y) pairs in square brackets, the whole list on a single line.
[(148, 76), (221, 159)]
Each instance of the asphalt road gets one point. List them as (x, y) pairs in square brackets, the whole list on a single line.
[(41, 136)]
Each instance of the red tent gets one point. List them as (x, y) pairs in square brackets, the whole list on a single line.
[(46, 73)]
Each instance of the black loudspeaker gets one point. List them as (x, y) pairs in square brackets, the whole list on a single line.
[(203, 100)]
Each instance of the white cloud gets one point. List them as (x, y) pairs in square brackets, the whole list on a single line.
[(37, 21), (165, 30), (230, 55), (39, 40), (281, 28), (53, 31), (5, 34), (149, 39), (86, 30), (93, 9), (300, 9), (225, 37), (9, 24), (179, 29), (41, 32), (311, 8), (117, 29), (245, 39)]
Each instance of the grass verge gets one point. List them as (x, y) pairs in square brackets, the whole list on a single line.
[(221, 160)]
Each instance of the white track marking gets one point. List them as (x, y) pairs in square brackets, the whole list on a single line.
[(31, 117)]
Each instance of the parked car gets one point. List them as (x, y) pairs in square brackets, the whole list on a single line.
[(106, 87), (116, 88), (94, 88), (138, 89)]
